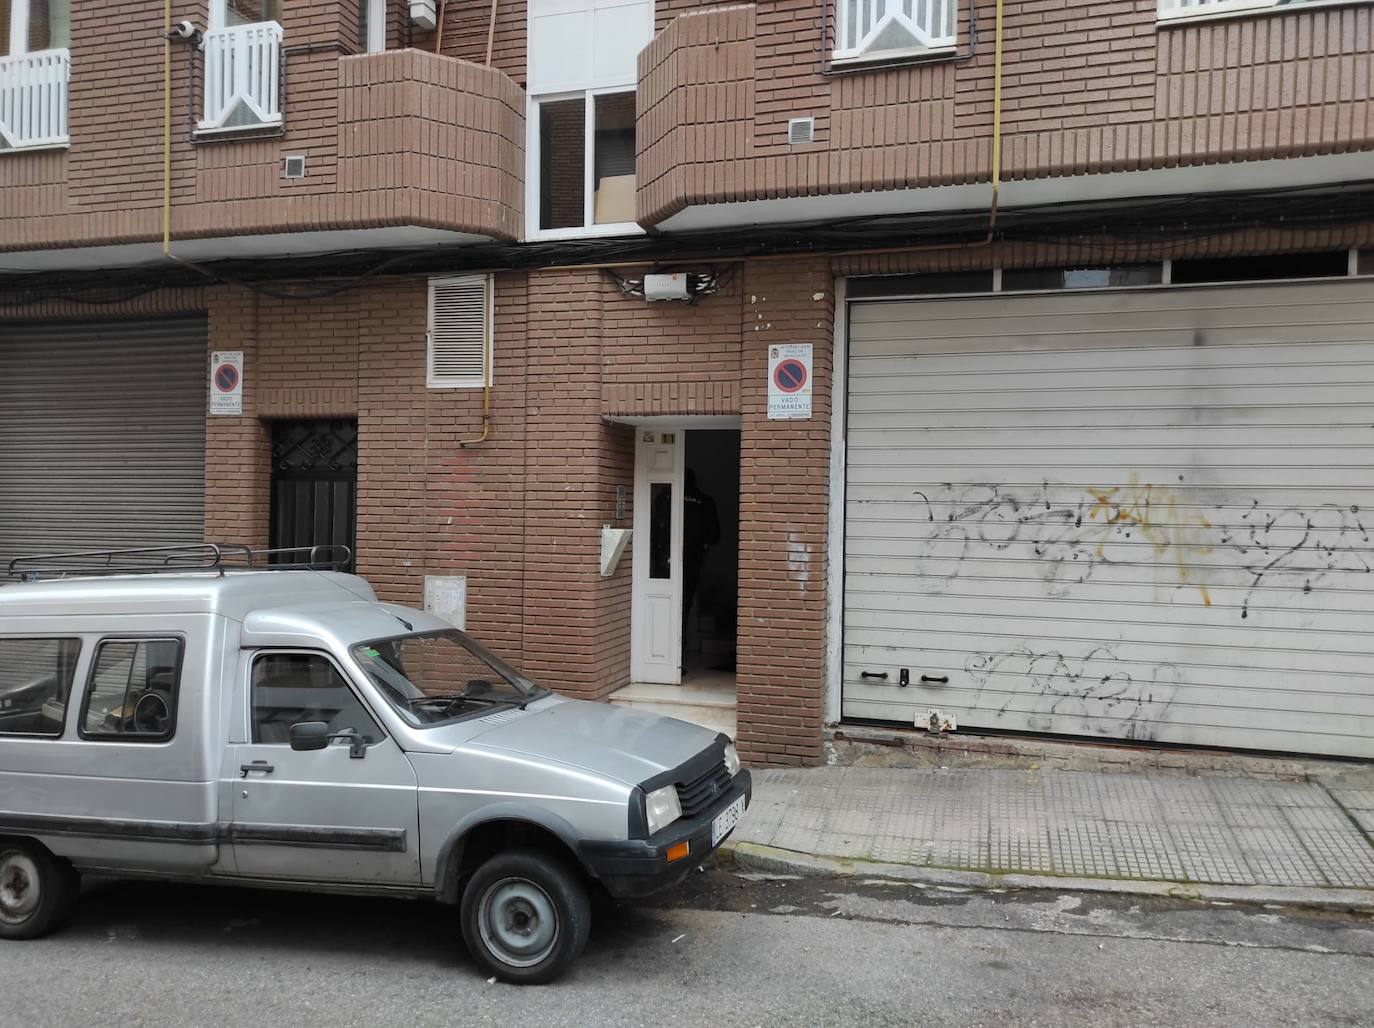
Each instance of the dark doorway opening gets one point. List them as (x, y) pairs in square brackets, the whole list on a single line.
[(710, 552), (315, 484)]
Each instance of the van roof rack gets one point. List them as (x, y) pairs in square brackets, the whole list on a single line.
[(179, 560)]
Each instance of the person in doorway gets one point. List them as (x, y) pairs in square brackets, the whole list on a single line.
[(700, 531)]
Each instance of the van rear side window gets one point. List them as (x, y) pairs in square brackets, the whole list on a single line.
[(35, 684), (132, 695)]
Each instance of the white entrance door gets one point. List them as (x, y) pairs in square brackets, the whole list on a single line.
[(656, 620)]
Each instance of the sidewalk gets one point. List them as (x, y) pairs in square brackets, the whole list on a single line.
[(1220, 834)]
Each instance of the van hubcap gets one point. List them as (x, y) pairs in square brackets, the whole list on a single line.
[(518, 923), (19, 892)]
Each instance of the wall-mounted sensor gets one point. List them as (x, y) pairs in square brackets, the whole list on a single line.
[(293, 166)]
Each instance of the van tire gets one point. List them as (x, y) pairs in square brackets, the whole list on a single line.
[(525, 916), (37, 890)]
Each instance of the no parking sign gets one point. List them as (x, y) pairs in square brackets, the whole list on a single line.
[(789, 381), (226, 382)]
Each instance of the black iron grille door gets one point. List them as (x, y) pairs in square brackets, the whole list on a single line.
[(315, 483)]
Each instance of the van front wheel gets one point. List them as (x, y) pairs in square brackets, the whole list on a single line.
[(525, 917), (37, 891)]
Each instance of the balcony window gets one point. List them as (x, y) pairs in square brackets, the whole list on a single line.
[(35, 68), (582, 79), (870, 30), (242, 66)]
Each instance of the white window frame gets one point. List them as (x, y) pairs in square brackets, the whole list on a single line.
[(487, 378), (1209, 9), (375, 42), (533, 156), (588, 228)]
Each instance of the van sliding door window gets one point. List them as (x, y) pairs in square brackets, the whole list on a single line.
[(132, 692), (35, 684)]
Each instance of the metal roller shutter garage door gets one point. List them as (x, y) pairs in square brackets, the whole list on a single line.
[(1140, 515), (102, 435)]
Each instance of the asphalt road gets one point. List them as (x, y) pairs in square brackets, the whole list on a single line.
[(723, 949)]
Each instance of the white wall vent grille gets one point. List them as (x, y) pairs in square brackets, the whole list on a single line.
[(459, 338), (801, 130)]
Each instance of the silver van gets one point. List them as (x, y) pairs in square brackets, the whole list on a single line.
[(180, 714)]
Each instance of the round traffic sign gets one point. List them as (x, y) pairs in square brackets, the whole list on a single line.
[(790, 375), (226, 378)]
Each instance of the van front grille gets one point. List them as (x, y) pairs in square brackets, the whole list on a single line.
[(698, 794)]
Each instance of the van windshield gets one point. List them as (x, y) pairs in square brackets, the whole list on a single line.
[(435, 678)]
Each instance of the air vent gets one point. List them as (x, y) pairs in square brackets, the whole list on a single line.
[(460, 332), (801, 130), (294, 166), (503, 716)]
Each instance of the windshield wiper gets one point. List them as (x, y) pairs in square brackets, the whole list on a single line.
[(451, 698)]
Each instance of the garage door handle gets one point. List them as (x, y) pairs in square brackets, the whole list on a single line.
[(873, 674), (257, 765), (941, 679)]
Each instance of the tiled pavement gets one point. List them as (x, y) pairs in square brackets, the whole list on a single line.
[(1154, 825)]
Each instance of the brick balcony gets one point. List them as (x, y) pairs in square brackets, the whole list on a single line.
[(400, 147), (1087, 90)]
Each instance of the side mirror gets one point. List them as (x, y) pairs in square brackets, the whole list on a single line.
[(309, 735)]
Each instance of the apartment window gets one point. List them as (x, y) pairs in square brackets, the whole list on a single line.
[(227, 13), (868, 30), (372, 25), (32, 26), (581, 80), (243, 66), (1181, 10)]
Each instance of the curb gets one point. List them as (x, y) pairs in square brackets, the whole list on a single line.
[(769, 859)]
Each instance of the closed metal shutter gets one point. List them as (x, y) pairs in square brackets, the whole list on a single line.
[(1140, 515), (102, 435)]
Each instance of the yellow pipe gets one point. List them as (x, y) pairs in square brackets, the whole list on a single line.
[(996, 117), (490, 344), (167, 130)]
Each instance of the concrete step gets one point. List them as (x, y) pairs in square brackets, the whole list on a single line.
[(710, 708)]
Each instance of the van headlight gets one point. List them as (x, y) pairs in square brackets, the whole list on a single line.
[(662, 808), (731, 759)]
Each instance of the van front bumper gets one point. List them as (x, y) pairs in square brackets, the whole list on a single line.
[(639, 867)]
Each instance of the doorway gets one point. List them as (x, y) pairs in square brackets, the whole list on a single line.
[(315, 485), (686, 556)]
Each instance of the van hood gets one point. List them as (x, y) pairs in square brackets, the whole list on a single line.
[(628, 745)]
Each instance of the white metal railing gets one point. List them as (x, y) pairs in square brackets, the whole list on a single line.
[(871, 27), (33, 99), (1201, 8), (242, 76)]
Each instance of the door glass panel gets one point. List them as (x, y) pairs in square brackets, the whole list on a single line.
[(292, 687), (660, 530)]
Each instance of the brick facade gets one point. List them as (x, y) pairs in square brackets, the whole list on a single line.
[(1087, 88)]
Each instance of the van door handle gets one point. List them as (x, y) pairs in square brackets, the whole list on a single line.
[(257, 765)]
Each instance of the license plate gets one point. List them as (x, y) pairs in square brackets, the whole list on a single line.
[(726, 820)]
